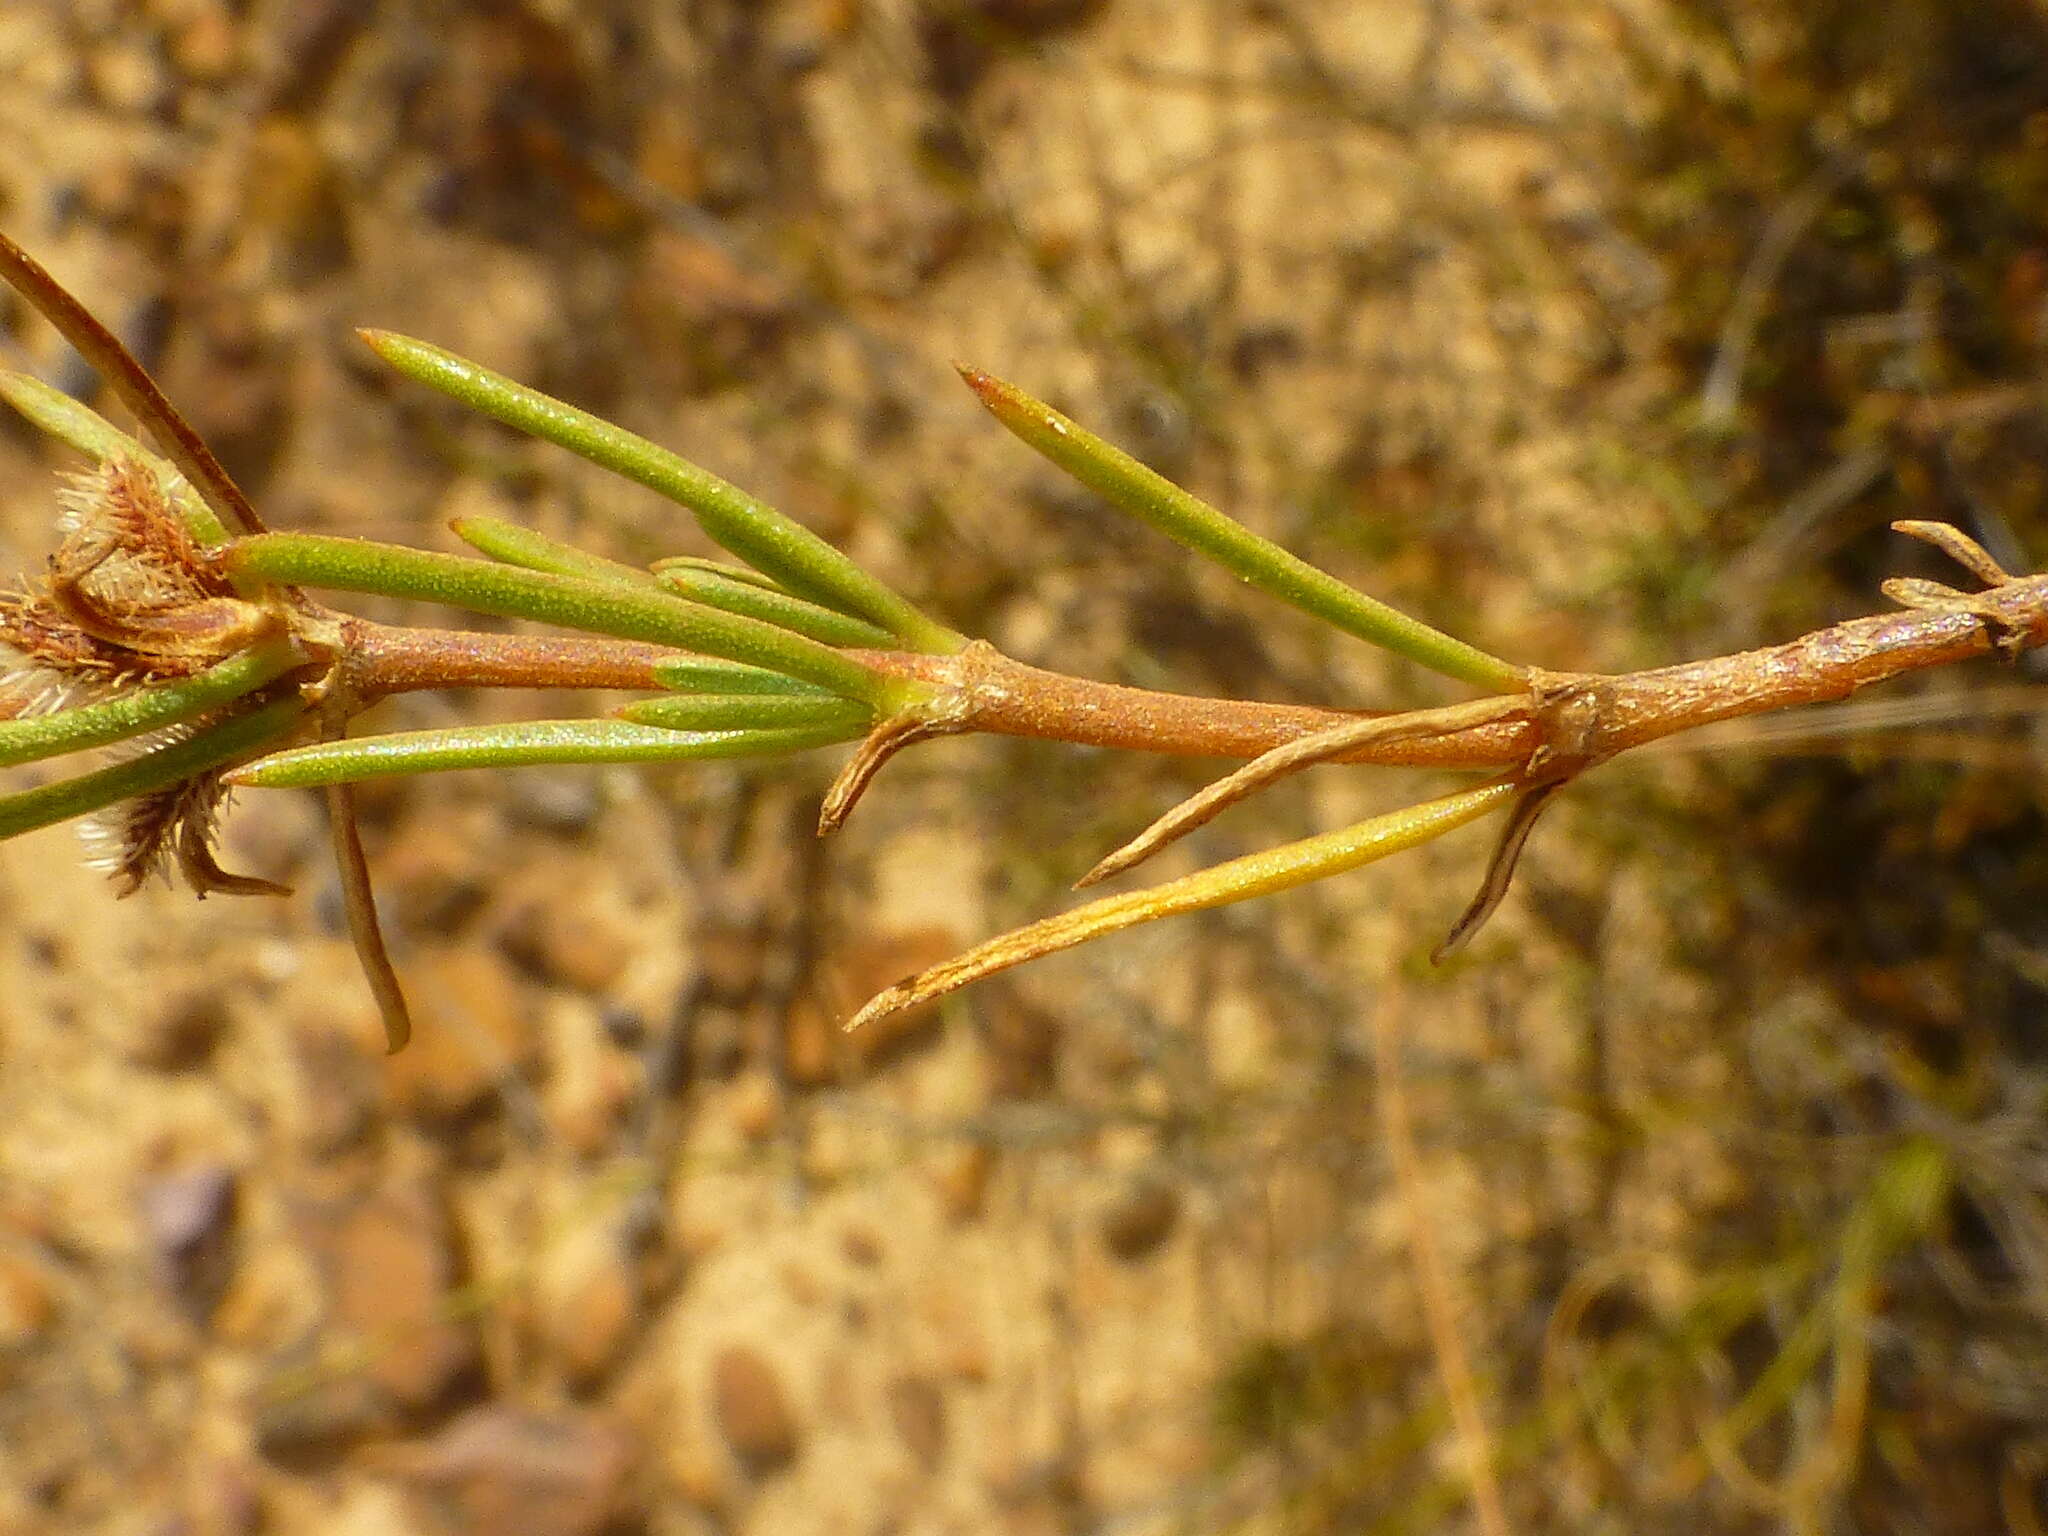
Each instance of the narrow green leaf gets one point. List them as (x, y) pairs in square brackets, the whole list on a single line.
[(520, 546), (143, 709), (748, 711), (525, 744), (751, 529), (53, 411), (60, 801), (1256, 874), (1144, 493), (359, 565), (687, 675), (727, 568), (715, 589)]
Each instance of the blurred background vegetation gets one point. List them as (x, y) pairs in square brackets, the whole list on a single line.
[(1604, 334)]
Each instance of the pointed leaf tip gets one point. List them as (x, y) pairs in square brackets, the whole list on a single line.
[(774, 544), (1239, 879), (1184, 517), (1012, 406)]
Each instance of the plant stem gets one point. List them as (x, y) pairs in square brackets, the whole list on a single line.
[(360, 565), (1002, 696), (1817, 668), (997, 694), (391, 658)]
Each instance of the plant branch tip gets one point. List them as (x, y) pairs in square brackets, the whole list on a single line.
[(1958, 546)]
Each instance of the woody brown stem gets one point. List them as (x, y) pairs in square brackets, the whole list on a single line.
[(384, 658), (1589, 717), (1826, 665), (1586, 717), (1005, 697)]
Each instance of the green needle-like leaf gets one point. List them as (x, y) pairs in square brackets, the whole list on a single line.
[(54, 412), (1256, 874), (359, 565), (749, 711), (525, 744), (726, 568), (143, 709), (687, 675), (715, 589), (751, 529), (66, 798), (515, 545), (1112, 473)]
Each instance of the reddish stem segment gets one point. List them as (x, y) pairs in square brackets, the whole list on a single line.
[(1586, 716), (989, 692), (1826, 665), (384, 658), (1008, 698)]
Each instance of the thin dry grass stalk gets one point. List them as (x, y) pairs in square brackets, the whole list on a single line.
[(1432, 1274)]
